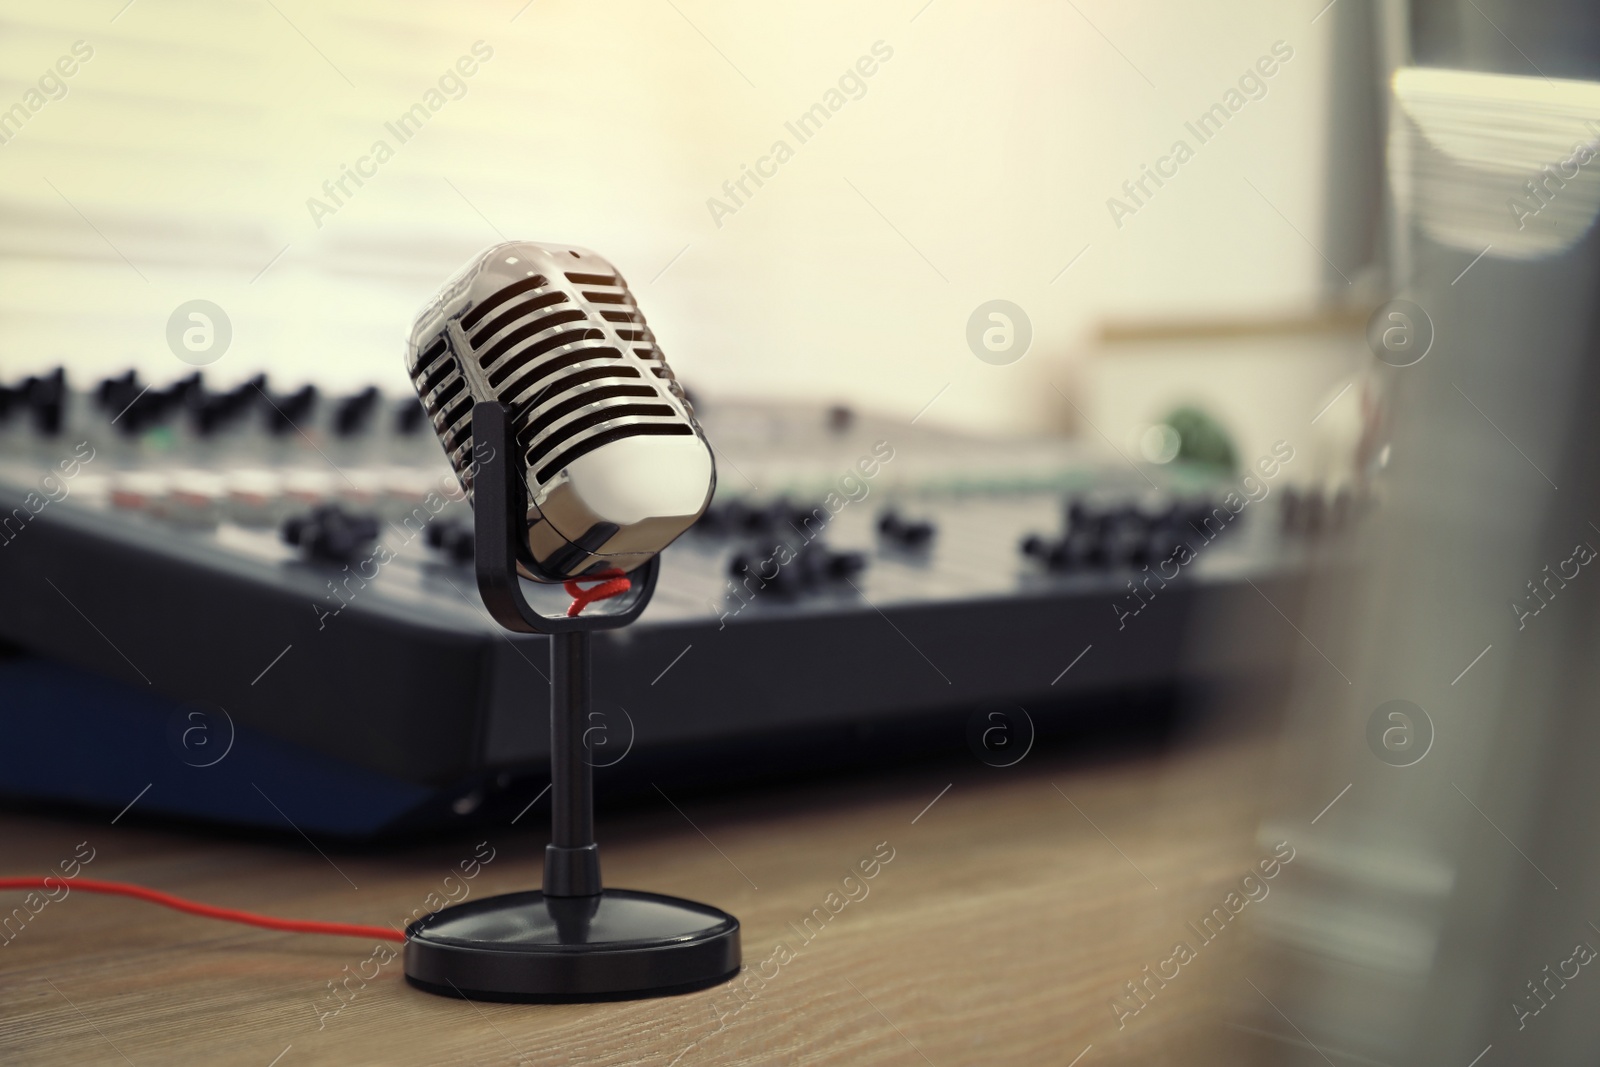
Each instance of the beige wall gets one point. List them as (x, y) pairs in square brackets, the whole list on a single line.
[(991, 140)]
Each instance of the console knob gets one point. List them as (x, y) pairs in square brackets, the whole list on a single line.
[(330, 534)]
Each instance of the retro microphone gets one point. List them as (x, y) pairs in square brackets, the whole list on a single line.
[(582, 459), (613, 461)]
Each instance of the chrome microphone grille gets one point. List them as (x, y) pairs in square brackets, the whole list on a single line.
[(614, 462)]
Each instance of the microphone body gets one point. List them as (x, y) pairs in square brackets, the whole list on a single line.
[(588, 457), (614, 464)]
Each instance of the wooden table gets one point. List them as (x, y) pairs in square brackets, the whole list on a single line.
[(1016, 906)]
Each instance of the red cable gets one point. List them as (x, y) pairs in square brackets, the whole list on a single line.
[(151, 896), (612, 583)]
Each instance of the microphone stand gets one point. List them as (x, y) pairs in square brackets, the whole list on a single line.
[(572, 859), (574, 940)]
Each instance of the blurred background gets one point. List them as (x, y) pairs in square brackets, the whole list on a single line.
[(1111, 280), (975, 163)]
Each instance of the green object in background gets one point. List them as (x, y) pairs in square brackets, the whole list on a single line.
[(160, 438), (1202, 440)]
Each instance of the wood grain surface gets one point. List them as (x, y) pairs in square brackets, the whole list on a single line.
[(1014, 910)]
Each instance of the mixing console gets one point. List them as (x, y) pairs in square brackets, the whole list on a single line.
[(266, 592)]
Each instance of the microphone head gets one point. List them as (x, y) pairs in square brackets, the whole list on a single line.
[(615, 465)]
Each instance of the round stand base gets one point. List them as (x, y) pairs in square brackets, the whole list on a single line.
[(619, 945)]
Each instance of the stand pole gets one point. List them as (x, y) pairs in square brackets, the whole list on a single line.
[(572, 859), (572, 942)]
